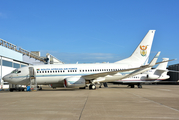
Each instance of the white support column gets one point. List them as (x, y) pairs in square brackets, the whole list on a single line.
[(1, 74)]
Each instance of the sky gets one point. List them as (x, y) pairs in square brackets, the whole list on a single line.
[(88, 31)]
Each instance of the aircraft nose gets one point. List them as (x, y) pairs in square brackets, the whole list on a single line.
[(5, 78)]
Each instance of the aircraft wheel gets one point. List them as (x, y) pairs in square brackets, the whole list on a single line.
[(100, 85), (82, 87), (92, 87), (11, 89), (132, 86), (139, 86)]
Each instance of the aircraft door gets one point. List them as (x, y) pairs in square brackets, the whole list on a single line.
[(32, 78)]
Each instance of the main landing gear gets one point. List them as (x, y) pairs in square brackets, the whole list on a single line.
[(92, 87), (133, 85), (139, 86), (105, 85)]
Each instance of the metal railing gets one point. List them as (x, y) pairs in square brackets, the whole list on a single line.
[(25, 52)]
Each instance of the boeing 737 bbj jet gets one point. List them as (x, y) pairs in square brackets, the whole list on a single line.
[(78, 75)]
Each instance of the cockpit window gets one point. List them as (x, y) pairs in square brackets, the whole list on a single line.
[(16, 71)]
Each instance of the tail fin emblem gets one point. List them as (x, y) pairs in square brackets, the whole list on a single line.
[(143, 50)]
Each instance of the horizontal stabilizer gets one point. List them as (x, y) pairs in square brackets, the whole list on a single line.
[(153, 62)]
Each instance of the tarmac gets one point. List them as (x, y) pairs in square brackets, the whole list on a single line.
[(152, 102)]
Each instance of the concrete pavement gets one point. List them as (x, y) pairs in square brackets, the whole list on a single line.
[(152, 102)]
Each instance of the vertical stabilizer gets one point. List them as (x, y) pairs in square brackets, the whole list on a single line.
[(161, 69), (141, 54)]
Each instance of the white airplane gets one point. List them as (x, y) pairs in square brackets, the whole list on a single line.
[(78, 75), (154, 75)]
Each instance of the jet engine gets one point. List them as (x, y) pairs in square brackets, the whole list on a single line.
[(152, 76), (74, 82)]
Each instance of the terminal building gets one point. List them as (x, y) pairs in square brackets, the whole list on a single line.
[(174, 76), (12, 57)]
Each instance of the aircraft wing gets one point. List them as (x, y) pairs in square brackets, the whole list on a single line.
[(96, 75), (136, 71), (165, 61)]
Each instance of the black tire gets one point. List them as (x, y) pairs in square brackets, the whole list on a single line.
[(11, 89), (139, 86), (90, 87), (82, 87), (93, 87), (132, 86)]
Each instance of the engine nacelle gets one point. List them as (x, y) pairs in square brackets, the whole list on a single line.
[(153, 76), (74, 82), (56, 85)]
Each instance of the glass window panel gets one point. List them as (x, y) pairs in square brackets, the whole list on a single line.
[(23, 65), (7, 63), (16, 65)]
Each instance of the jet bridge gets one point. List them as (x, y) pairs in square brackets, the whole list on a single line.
[(50, 59)]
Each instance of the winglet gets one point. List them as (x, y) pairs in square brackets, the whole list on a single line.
[(154, 60)]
